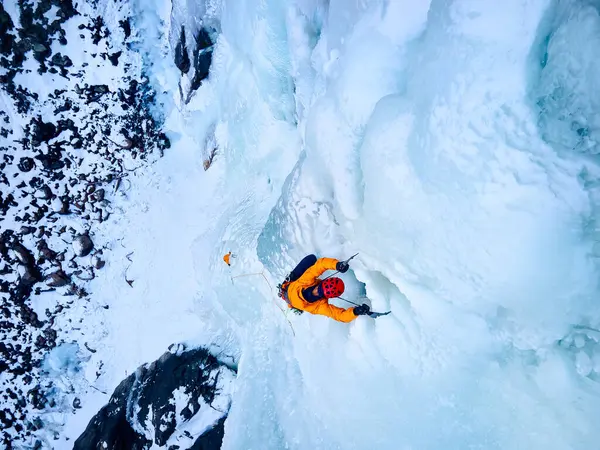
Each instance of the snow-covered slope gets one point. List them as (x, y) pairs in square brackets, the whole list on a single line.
[(452, 144), (76, 123)]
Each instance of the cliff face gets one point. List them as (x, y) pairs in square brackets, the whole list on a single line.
[(180, 401)]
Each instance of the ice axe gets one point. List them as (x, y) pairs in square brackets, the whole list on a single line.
[(372, 314), (346, 261)]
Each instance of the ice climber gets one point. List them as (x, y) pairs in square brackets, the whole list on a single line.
[(227, 258), (304, 291)]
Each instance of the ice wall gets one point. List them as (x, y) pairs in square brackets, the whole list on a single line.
[(425, 153), (452, 144)]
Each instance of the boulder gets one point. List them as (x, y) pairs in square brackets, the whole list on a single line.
[(98, 262), (26, 164), (42, 131), (23, 254), (82, 245), (58, 59), (57, 279)]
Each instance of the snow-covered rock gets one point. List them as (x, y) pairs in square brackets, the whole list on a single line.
[(57, 279), (82, 245), (179, 401)]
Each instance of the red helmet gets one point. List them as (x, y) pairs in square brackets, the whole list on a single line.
[(332, 287)]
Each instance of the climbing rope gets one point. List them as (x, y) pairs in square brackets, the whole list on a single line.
[(272, 292)]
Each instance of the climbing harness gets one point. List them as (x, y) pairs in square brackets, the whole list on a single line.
[(282, 293)]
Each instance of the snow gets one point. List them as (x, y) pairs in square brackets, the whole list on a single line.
[(412, 134), (207, 416)]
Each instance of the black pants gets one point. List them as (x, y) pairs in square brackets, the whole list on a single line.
[(303, 266)]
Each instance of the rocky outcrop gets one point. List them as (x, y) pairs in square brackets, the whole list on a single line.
[(202, 57), (182, 59), (196, 69), (161, 405)]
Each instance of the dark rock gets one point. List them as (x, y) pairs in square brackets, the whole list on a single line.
[(40, 231), (202, 63), (147, 395), (6, 270), (7, 202), (163, 142), (67, 124), (30, 276), (202, 59), (6, 25), (51, 161), (212, 439), (66, 9), (85, 344), (36, 182), (37, 397), (82, 245), (95, 92), (26, 164), (26, 230), (114, 58), (99, 31), (126, 26), (42, 131), (44, 193), (98, 263), (98, 195), (23, 255), (47, 254), (182, 59), (71, 290), (58, 59), (64, 207), (77, 143), (39, 48), (76, 403), (66, 106), (57, 279), (203, 40)]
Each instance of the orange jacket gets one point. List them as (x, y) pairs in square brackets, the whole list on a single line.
[(322, 307), (227, 258)]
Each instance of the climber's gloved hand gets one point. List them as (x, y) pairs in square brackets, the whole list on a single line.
[(362, 310), (342, 266)]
